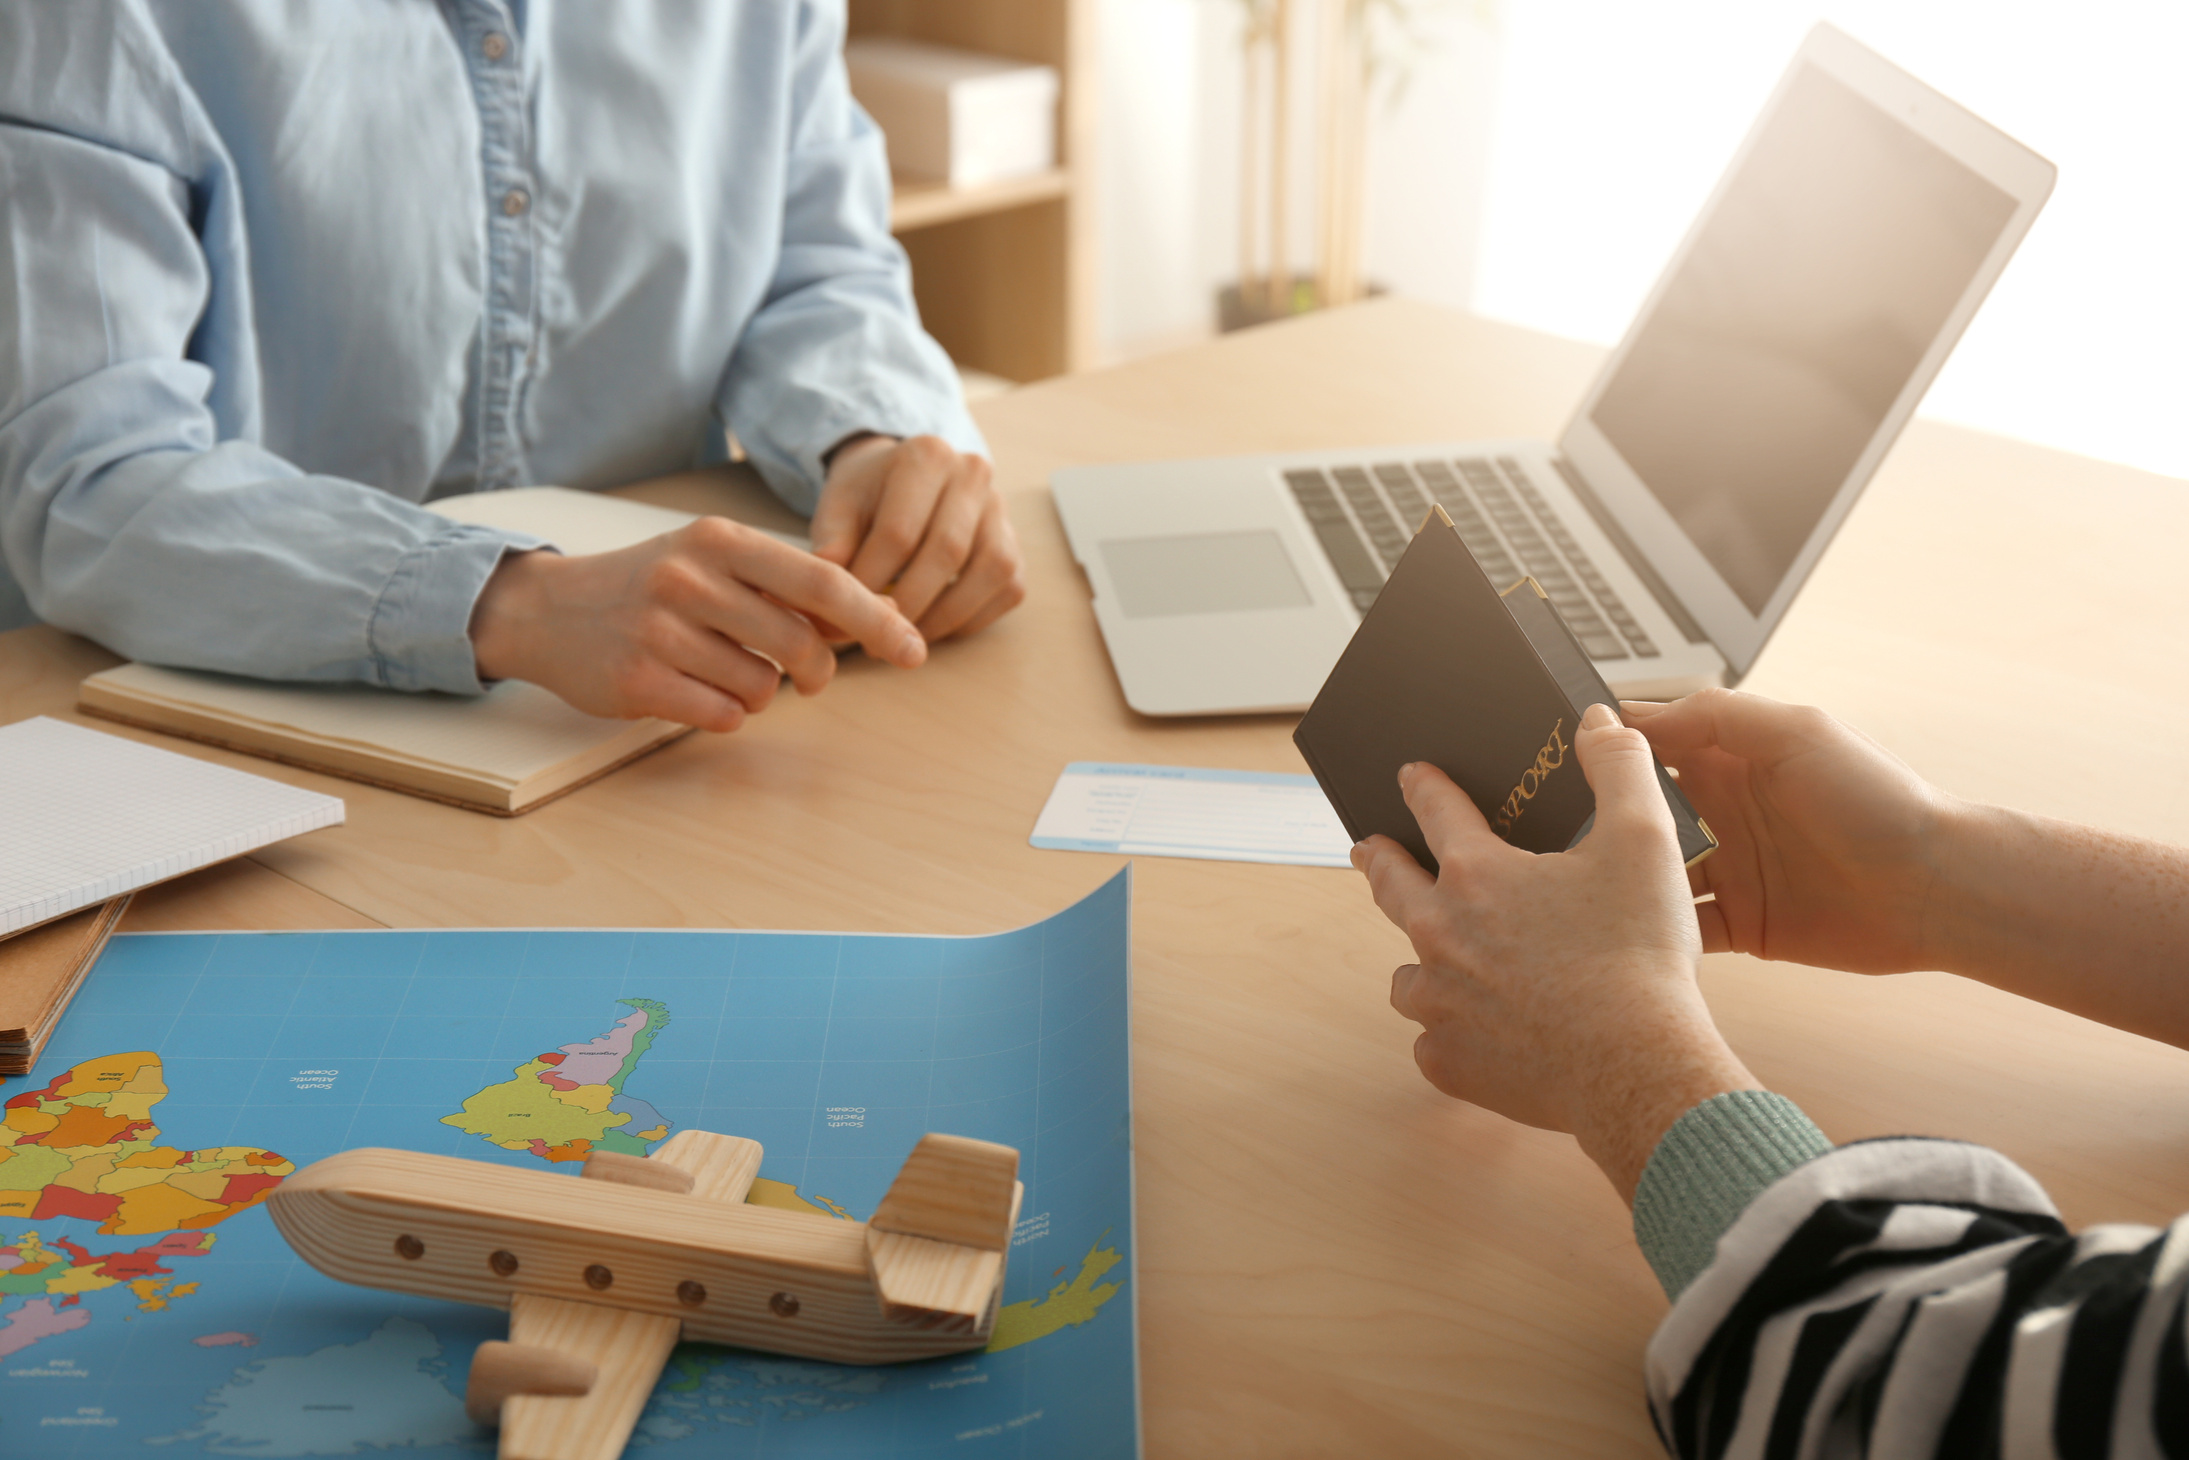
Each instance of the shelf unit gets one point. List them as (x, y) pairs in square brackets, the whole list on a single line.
[(1004, 273)]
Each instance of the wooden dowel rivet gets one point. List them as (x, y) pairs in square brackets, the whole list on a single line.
[(409, 1247), (690, 1294), (598, 1278), (504, 1263), (785, 1305)]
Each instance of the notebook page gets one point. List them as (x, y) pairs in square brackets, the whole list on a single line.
[(86, 816), (576, 522)]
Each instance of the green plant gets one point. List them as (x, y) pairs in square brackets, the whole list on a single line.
[(1362, 48)]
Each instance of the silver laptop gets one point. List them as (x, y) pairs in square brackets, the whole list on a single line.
[(1840, 257)]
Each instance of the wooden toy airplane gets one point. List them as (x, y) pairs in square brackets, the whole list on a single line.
[(603, 1276)]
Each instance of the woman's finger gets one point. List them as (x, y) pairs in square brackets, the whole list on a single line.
[(715, 603), (710, 658), (840, 522), (991, 585), (952, 536), (744, 560), (917, 473), (654, 688)]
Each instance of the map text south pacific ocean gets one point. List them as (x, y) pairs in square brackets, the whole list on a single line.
[(84, 1146), (569, 1102)]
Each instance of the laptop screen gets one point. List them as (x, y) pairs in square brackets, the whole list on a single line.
[(1835, 255)]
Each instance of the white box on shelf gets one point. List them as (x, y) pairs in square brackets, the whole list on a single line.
[(956, 117)]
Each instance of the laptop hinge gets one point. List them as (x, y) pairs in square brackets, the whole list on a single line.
[(1658, 589)]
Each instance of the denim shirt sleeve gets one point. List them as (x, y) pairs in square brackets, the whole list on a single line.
[(126, 513), (837, 346), (256, 304)]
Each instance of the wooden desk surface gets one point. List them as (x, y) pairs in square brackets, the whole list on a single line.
[(1335, 1259)]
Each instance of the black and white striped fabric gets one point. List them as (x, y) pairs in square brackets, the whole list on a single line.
[(1917, 1298)]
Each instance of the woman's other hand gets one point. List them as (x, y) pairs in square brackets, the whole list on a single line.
[(925, 524), (698, 625)]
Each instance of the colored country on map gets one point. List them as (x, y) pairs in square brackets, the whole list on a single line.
[(563, 1105), (706, 1387), (1068, 1304), (59, 1276), (37, 1319), (781, 1194), (84, 1146)]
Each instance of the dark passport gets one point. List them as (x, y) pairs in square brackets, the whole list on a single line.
[(1488, 686)]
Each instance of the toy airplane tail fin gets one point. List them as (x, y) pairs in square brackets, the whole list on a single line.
[(938, 1242)]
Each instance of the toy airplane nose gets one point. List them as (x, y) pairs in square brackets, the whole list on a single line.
[(604, 1275)]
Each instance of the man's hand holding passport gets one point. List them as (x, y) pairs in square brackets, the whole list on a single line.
[(1489, 687)]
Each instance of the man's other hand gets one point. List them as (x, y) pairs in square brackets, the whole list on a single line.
[(1557, 990), (697, 625), (1830, 851), (923, 523)]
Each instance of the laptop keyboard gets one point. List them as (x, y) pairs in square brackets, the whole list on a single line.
[(1365, 516)]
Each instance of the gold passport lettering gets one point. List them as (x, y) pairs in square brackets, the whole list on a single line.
[(1548, 759)]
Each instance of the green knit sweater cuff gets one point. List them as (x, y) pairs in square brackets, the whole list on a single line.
[(1714, 1161)]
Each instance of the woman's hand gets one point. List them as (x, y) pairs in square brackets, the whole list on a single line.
[(924, 524), (691, 626), (1830, 851), (1558, 990)]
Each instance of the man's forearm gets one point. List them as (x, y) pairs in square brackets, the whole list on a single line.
[(2089, 921), (1675, 1060)]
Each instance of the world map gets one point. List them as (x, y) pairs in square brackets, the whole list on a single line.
[(564, 1104), (835, 1052), (84, 1146)]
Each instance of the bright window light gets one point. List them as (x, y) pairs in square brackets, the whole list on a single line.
[(1614, 119)]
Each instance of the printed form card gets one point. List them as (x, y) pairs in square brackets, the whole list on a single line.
[(1184, 811)]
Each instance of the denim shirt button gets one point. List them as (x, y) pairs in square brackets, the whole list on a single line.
[(494, 45), (515, 201)]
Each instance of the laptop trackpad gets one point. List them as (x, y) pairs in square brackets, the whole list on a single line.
[(1210, 572)]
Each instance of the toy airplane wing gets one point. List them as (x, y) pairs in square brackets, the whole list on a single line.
[(603, 1276)]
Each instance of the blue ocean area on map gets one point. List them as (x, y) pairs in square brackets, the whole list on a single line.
[(148, 1307)]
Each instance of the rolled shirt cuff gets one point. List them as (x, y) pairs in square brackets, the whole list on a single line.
[(420, 630), (1706, 1169), (795, 473)]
